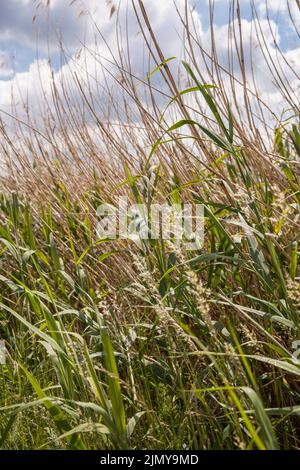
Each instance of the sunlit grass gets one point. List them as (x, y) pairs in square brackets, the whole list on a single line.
[(110, 345)]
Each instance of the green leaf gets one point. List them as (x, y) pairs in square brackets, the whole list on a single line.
[(269, 436), (56, 413), (164, 62)]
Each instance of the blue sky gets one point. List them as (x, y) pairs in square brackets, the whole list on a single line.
[(277, 11), (25, 23), (18, 32)]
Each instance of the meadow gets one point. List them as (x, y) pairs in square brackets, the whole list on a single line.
[(111, 344)]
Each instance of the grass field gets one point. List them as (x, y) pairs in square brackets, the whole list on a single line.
[(111, 345)]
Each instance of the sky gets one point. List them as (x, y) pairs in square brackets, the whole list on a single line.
[(31, 29)]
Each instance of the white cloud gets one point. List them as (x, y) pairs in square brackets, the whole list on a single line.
[(33, 22), (6, 70), (163, 19), (35, 84)]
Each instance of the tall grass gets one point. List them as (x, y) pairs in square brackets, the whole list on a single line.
[(114, 346)]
